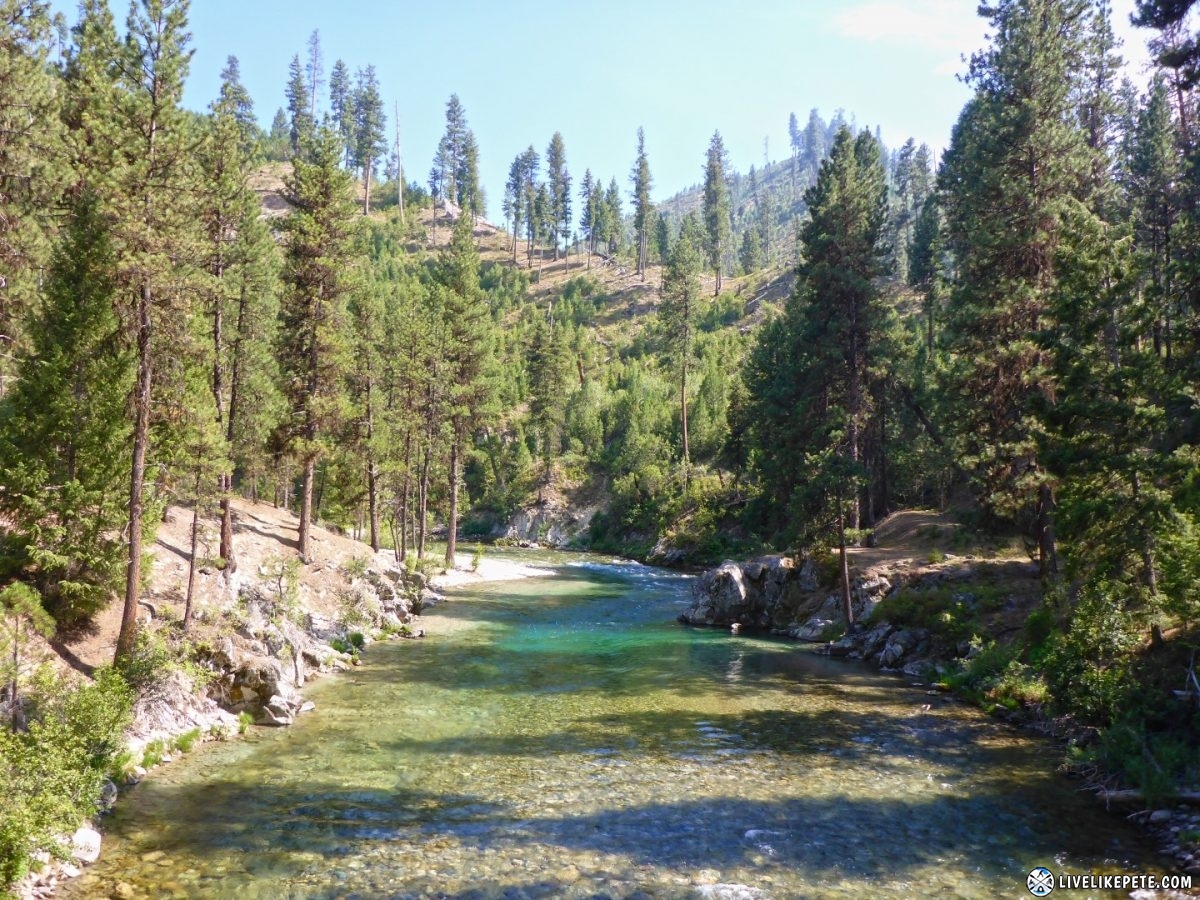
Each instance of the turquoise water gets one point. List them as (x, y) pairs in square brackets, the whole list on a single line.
[(563, 737)]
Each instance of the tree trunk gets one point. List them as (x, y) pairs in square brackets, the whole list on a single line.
[(191, 583), (422, 512), (844, 567), (684, 421), (137, 478), (367, 187), (1047, 554), (452, 525), (402, 550), (306, 505), (372, 472)]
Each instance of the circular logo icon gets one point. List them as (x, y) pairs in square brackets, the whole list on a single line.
[(1040, 882)]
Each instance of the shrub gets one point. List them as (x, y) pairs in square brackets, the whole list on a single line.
[(55, 771), (148, 663)]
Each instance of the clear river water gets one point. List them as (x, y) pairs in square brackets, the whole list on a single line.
[(564, 737)]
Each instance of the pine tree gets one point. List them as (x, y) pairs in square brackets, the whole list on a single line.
[(814, 143), (559, 185), (447, 161), (678, 311), (809, 374), (369, 128), (300, 121), (148, 193), (587, 194), (319, 278), (717, 225), (547, 368), (468, 388), (640, 178), (614, 220), (1017, 158), (314, 71), (471, 199), (341, 107), (237, 101), (29, 133), (64, 431)]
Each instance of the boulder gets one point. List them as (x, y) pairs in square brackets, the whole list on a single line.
[(898, 646), (85, 845), (277, 711), (718, 597)]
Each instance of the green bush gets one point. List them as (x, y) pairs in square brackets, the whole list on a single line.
[(54, 771), (149, 662)]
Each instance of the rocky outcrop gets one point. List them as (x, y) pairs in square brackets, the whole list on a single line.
[(783, 595), (260, 668), (776, 594), (553, 523)]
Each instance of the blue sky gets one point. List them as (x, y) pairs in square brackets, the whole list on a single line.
[(596, 71)]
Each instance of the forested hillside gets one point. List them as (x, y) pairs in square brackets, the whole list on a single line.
[(773, 360)]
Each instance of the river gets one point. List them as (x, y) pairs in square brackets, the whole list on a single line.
[(563, 737)]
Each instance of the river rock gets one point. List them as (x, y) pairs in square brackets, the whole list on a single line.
[(718, 597), (899, 645), (278, 711), (85, 844)]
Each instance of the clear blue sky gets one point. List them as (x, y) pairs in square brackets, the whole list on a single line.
[(596, 71)]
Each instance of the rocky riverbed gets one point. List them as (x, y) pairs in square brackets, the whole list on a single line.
[(257, 637), (788, 597)]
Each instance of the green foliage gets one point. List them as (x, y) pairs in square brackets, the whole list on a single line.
[(283, 576), (53, 772), (356, 566), (150, 661), (64, 430), (1088, 666), (950, 612)]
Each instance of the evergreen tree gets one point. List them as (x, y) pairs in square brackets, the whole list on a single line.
[(717, 225), (300, 120), (467, 354), (148, 193), (314, 71), (814, 142), (547, 366), (448, 159), (613, 219), (678, 311), (471, 199), (369, 128), (1017, 159), (559, 186), (29, 132), (809, 375), (588, 196), (642, 182), (64, 431), (341, 108), (319, 278), (236, 100)]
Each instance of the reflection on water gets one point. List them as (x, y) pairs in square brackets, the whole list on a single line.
[(565, 739)]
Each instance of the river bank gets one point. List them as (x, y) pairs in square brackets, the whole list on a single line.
[(953, 623), (563, 739), (258, 636)]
